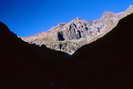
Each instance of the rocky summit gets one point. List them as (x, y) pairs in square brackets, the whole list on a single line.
[(69, 37)]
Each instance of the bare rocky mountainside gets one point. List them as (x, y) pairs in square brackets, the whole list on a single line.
[(70, 36)]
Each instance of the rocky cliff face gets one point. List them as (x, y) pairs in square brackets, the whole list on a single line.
[(71, 36)]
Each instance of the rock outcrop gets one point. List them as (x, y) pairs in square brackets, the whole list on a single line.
[(71, 36)]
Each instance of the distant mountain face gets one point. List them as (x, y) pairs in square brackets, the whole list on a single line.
[(71, 36)]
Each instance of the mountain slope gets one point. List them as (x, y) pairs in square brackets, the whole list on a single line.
[(23, 65), (108, 62), (71, 36)]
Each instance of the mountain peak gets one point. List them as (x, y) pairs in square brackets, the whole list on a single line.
[(61, 24), (108, 14), (130, 7), (5, 32), (77, 18), (70, 36)]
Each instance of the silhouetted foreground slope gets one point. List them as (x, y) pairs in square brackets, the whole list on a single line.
[(23, 65), (104, 64), (108, 62)]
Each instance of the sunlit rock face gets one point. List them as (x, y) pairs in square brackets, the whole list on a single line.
[(68, 37)]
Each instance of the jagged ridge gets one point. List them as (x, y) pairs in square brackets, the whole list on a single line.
[(71, 36)]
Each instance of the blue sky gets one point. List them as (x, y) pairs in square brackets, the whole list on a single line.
[(27, 17)]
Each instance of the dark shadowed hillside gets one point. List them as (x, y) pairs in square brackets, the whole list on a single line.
[(23, 65), (108, 62), (104, 64)]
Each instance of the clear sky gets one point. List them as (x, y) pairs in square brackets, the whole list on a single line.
[(27, 17)]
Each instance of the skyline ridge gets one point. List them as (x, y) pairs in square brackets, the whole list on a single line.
[(79, 18), (26, 18)]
